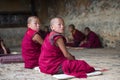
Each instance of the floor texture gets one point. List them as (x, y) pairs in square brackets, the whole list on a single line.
[(106, 58)]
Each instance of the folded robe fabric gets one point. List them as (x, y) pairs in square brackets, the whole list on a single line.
[(11, 58)]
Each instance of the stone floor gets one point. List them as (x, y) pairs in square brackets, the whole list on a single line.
[(104, 58)]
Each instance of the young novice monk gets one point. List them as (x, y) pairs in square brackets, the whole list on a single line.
[(31, 43), (91, 40), (55, 58), (77, 35)]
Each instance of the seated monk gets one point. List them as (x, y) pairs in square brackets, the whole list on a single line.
[(77, 35), (44, 32), (55, 58), (91, 40), (31, 43), (47, 31), (3, 48)]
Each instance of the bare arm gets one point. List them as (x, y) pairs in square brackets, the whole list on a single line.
[(38, 39), (3, 47), (84, 41), (61, 45)]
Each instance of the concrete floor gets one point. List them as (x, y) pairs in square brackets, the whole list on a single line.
[(106, 58)]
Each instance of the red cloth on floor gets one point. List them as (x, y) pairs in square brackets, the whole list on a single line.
[(11, 58), (77, 68)]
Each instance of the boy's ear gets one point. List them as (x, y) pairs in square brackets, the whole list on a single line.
[(28, 25), (51, 27)]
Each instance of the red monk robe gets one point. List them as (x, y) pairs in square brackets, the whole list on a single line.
[(92, 41), (78, 36), (30, 49), (52, 60)]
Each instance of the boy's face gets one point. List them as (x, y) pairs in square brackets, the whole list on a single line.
[(34, 24), (86, 32), (58, 26), (70, 29), (46, 30)]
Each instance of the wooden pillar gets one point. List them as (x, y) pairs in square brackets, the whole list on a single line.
[(43, 11), (33, 7)]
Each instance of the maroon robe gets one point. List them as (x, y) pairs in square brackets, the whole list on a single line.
[(30, 49), (78, 36), (92, 41), (52, 60)]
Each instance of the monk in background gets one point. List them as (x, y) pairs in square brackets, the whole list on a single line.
[(91, 40), (3, 48), (44, 32), (77, 35)]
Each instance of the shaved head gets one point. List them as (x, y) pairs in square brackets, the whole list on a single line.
[(31, 18), (33, 22), (53, 20), (57, 24)]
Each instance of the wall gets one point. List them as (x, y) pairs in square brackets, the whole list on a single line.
[(13, 21), (102, 16), (13, 15), (12, 36), (14, 5)]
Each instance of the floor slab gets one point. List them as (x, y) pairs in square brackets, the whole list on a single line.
[(106, 58)]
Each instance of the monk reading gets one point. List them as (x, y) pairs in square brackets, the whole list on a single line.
[(91, 40), (54, 57), (31, 43)]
